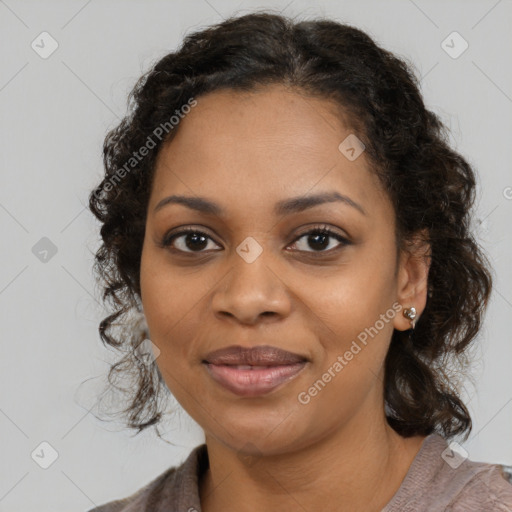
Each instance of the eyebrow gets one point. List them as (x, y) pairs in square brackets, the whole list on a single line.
[(284, 207)]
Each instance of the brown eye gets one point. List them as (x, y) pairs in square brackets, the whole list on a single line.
[(188, 240), (320, 239)]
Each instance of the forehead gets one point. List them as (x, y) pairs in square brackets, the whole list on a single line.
[(259, 147)]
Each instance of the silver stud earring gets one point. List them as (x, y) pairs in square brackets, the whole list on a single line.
[(410, 313)]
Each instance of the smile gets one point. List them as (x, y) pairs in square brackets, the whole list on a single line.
[(253, 380)]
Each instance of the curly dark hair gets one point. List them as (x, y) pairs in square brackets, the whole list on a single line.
[(431, 186)]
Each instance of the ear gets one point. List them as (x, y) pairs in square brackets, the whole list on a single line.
[(412, 278)]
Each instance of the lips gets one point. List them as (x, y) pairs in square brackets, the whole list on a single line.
[(253, 371), (257, 356)]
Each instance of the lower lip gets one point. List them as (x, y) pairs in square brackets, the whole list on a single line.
[(258, 381)]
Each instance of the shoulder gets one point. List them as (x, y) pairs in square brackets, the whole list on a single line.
[(139, 498), (171, 490), (487, 487), (440, 479)]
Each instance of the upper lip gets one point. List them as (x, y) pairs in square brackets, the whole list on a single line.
[(263, 355)]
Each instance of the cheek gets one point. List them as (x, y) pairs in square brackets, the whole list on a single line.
[(353, 297), (353, 340), (353, 317), (172, 300), (162, 305), (168, 307)]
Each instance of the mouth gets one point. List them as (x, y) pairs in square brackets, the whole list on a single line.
[(253, 372)]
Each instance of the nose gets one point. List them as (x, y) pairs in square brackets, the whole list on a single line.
[(250, 291)]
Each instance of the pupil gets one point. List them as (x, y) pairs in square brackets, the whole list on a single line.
[(316, 237), (195, 237)]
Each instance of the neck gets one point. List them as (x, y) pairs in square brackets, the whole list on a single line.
[(357, 469)]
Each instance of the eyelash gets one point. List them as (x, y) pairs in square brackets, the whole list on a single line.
[(323, 230)]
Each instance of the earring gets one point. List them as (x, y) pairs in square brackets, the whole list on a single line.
[(410, 313)]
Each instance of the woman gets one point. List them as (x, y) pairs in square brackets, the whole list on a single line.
[(292, 224)]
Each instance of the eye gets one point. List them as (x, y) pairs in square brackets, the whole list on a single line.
[(318, 239), (192, 241)]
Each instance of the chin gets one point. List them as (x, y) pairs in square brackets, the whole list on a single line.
[(259, 433)]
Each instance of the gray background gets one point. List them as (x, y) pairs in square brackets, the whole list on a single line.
[(55, 112)]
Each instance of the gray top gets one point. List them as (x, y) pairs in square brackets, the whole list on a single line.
[(435, 481)]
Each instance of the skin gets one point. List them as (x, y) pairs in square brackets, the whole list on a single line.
[(246, 152)]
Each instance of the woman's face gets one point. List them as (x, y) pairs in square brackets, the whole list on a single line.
[(256, 278)]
